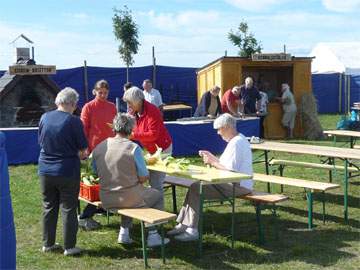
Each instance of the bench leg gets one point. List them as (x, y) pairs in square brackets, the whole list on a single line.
[(258, 221), (233, 216), (162, 243), (108, 217), (173, 192), (143, 240), (309, 196), (200, 225)]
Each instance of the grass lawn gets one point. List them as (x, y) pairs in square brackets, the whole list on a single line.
[(334, 245)]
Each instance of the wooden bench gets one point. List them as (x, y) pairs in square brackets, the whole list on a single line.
[(329, 167), (148, 217), (258, 198), (309, 186)]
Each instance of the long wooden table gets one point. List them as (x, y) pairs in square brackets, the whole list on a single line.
[(345, 154), (352, 135), (206, 176)]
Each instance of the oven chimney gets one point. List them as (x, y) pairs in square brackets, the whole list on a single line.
[(22, 46)]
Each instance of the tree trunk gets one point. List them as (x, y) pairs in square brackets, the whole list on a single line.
[(127, 73)]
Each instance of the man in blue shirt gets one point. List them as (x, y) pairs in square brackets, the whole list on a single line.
[(250, 97)]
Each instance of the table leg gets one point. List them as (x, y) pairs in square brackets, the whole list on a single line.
[(346, 180), (201, 195), (162, 243), (331, 162), (173, 189), (323, 205), (258, 221), (351, 142), (267, 167)]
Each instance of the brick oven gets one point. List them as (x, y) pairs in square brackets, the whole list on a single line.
[(24, 98)]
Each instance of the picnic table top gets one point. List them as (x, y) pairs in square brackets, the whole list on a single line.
[(326, 151), (201, 173), (346, 133)]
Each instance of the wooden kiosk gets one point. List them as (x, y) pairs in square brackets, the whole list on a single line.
[(268, 71)]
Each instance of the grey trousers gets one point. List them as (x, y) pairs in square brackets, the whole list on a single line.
[(157, 178), (189, 212), (152, 199), (63, 192)]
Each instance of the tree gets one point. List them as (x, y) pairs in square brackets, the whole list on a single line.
[(245, 40), (126, 31)]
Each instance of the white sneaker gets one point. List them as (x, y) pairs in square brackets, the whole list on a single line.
[(186, 236), (124, 239), (180, 228), (88, 224), (154, 239), (72, 251), (54, 247)]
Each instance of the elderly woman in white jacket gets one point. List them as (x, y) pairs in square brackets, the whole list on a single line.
[(289, 109), (237, 157)]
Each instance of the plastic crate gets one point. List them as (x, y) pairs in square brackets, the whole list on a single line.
[(90, 193)]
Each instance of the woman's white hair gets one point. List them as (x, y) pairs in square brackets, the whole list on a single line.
[(123, 123), (67, 96), (225, 120), (134, 95)]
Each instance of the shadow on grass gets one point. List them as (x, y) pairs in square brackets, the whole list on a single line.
[(318, 216), (294, 243), (322, 247)]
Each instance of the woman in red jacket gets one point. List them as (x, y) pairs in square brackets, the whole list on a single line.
[(95, 116), (150, 130)]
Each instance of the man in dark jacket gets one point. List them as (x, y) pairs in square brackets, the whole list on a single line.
[(209, 104)]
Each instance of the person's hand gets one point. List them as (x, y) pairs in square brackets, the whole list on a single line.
[(83, 154), (208, 158)]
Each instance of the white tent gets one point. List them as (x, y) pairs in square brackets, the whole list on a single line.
[(336, 57)]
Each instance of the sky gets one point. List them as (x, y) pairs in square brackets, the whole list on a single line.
[(185, 33)]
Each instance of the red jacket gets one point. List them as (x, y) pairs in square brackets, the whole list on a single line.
[(150, 129), (95, 116), (228, 97)]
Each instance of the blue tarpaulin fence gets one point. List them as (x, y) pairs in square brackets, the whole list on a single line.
[(7, 228), (178, 84), (188, 138), (336, 92)]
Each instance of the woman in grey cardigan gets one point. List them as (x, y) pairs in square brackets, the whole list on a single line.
[(121, 167)]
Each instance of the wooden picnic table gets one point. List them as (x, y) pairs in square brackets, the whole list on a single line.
[(174, 107), (345, 154), (206, 176), (352, 135)]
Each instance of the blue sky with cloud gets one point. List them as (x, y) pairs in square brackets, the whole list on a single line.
[(184, 32)]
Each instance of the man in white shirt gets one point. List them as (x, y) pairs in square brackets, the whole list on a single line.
[(237, 157), (152, 95)]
